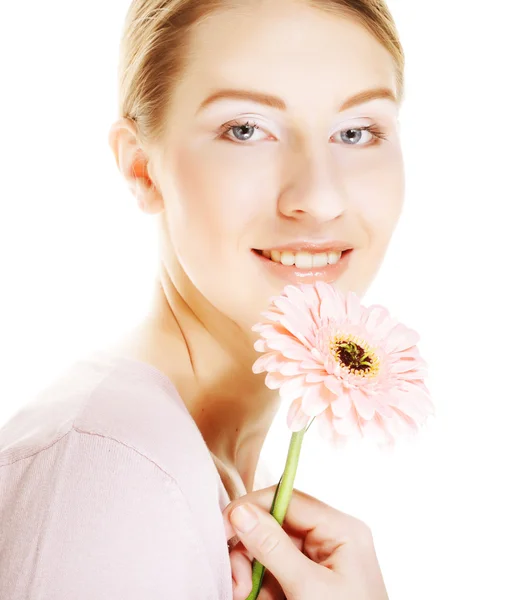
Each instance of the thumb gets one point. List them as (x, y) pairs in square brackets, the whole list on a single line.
[(266, 540)]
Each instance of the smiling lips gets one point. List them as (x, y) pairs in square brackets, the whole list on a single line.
[(307, 255), (306, 262), (303, 260)]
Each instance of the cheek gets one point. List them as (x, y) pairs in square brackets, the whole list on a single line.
[(210, 205), (377, 185)]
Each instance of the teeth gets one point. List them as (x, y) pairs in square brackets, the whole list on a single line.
[(288, 258), (320, 260), (303, 260)]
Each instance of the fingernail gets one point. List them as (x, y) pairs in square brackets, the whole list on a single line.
[(244, 518)]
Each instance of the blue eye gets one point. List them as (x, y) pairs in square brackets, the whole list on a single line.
[(248, 128), (244, 130), (352, 136)]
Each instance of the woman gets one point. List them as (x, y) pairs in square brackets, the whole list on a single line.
[(264, 137)]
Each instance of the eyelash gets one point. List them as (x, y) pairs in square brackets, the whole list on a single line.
[(379, 135)]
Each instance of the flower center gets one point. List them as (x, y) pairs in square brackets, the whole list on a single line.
[(355, 355)]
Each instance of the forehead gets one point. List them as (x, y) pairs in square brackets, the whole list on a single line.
[(286, 47)]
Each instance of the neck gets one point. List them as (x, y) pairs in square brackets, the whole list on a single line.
[(209, 360)]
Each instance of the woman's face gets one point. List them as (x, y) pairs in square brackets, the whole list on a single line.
[(305, 172)]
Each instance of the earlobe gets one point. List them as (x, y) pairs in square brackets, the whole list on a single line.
[(149, 199), (132, 162)]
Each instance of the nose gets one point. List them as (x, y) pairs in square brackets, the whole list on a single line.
[(315, 192)]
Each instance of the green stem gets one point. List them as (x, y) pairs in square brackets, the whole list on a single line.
[(280, 503)]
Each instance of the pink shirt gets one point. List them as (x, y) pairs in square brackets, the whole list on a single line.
[(109, 492)]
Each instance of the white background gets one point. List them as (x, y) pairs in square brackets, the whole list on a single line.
[(450, 513)]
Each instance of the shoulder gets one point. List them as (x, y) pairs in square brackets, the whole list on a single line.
[(127, 402), (98, 518), (108, 462)]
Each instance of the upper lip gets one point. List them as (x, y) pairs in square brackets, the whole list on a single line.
[(311, 246)]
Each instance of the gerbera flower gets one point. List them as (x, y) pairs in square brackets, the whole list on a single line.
[(356, 370)]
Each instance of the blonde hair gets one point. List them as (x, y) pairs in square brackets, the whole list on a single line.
[(156, 40)]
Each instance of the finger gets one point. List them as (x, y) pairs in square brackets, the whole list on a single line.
[(241, 569), (271, 588), (305, 513), (272, 547), (241, 574), (236, 544), (240, 548), (264, 499)]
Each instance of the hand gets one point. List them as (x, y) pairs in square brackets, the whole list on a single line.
[(319, 553)]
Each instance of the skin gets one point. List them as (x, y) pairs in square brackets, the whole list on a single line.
[(216, 196)]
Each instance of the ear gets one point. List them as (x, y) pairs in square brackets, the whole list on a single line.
[(133, 162)]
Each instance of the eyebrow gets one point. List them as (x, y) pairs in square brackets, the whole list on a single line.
[(279, 103)]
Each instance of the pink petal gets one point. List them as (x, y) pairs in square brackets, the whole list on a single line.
[(412, 352), (283, 342), (274, 381), (335, 385), (313, 402), (289, 348), (332, 301), (354, 308), (364, 406), (331, 365), (294, 393), (312, 365), (295, 314), (325, 425), (265, 362), (413, 401), (312, 301), (290, 368), (301, 301), (400, 338), (382, 423), (379, 322), (348, 425), (272, 315), (413, 374), (420, 392), (260, 346), (297, 331), (291, 385), (272, 330), (382, 407), (314, 377), (299, 324), (342, 405), (317, 355), (296, 418), (420, 384), (401, 425), (409, 364), (297, 353)]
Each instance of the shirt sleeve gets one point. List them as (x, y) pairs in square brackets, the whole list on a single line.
[(89, 517)]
